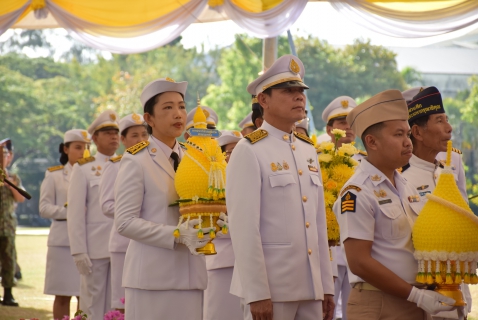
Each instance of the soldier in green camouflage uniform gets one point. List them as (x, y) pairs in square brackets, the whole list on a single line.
[(8, 197)]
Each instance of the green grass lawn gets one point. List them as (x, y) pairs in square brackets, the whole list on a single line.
[(29, 291)]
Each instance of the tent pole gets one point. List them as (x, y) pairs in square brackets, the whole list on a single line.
[(269, 52)]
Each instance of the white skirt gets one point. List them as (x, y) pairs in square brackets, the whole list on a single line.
[(117, 291), (62, 277), (164, 304), (219, 304)]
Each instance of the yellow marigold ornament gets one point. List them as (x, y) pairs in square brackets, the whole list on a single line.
[(336, 166), (200, 181), (444, 237)]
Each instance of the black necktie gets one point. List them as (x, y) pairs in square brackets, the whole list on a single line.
[(175, 158)]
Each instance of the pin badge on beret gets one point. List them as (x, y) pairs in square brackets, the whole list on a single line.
[(136, 118)]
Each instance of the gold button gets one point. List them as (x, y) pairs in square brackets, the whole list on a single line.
[(293, 147), (307, 224), (300, 172), (153, 150), (304, 198), (285, 137), (310, 252)]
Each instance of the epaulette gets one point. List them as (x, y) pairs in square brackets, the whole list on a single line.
[(117, 158), (55, 168), (456, 150), (182, 145), (303, 137), (257, 135), (82, 161), (137, 147), (363, 153), (402, 169)]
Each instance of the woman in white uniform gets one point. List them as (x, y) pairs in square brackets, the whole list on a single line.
[(218, 302), (162, 279), (133, 131), (62, 278)]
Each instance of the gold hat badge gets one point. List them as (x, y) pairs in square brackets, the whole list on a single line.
[(136, 118), (169, 79), (112, 116), (344, 103), (294, 66)]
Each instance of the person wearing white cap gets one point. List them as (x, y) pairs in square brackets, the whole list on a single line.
[(246, 125), (162, 279), (276, 207), (132, 131), (334, 115), (376, 211), (211, 119), (218, 302), (302, 126), (62, 278), (88, 228)]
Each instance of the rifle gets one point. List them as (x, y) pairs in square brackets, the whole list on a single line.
[(3, 178)]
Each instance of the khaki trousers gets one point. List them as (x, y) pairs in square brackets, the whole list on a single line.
[(378, 305)]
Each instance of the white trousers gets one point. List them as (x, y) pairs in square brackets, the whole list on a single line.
[(117, 290), (219, 304), (163, 305), (342, 290), (294, 310), (95, 295)]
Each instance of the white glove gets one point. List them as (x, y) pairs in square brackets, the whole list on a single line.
[(189, 236), (430, 301), (223, 221), (83, 263)]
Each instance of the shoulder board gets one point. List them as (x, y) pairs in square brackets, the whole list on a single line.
[(182, 145), (257, 135), (350, 186), (363, 153), (404, 168), (55, 168), (117, 158), (456, 150), (82, 161), (303, 137), (137, 147)]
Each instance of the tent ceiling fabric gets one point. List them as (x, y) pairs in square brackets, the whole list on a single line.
[(404, 19), (119, 27)]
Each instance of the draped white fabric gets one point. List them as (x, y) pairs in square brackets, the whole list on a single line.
[(400, 25), (9, 19), (268, 24), (160, 33)]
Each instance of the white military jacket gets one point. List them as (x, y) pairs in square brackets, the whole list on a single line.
[(53, 198), (117, 242), (370, 208), (275, 202), (88, 228), (143, 191)]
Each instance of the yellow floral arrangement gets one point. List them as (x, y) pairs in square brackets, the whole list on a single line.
[(200, 180), (445, 237), (337, 166)]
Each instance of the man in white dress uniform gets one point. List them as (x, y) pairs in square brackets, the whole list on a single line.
[(430, 134), (276, 207), (162, 279), (376, 212), (132, 131), (88, 228), (62, 278)]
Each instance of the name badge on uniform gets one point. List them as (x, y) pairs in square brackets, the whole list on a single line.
[(348, 202), (385, 201), (313, 169)]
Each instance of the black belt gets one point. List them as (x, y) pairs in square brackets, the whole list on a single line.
[(60, 219)]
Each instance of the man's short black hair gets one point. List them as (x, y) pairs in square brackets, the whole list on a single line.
[(373, 130)]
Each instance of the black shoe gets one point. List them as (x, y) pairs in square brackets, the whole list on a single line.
[(18, 275), (10, 302)]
